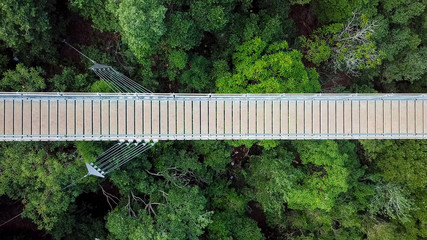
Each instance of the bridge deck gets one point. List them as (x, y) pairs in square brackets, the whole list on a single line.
[(93, 117)]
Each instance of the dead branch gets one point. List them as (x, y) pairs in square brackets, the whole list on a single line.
[(110, 197)]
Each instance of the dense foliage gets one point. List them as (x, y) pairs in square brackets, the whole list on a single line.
[(218, 189)]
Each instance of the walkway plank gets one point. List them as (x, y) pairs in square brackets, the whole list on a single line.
[(164, 117), (403, 123), (252, 117), (105, 117), (419, 128), (122, 115), (268, 122), (196, 118), (53, 123), (355, 127), (130, 117), (244, 117), (87, 116), (300, 118), (371, 117), (9, 117), (395, 117), (324, 114), (44, 113), (316, 118), (379, 117), (17, 118), (2, 116), (79, 118), (147, 117), (228, 118), (70, 118), (204, 118), (212, 118), (96, 115), (339, 117), (220, 118), (292, 108), (308, 118), (387, 117), (35, 118), (188, 122), (139, 118), (180, 118), (260, 117), (172, 117), (284, 117), (155, 117), (276, 117), (425, 117), (236, 117), (411, 117), (348, 120), (332, 117), (114, 117)]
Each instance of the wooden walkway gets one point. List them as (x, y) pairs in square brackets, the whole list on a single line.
[(94, 117)]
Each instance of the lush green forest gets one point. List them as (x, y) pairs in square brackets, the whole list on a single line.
[(371, 189)]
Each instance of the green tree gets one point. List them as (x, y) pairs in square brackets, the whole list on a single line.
[(412, 68), (324, 171), (329, 11), (100, 12), (273, 68), (182, 31), (229, 225), (100, 86), (402, 164), (141, 25), (400, 161), (271, 177), (391, 200), (38, 174), (25, 23), (211, 15), (69, 81), (215, 154), (196, 78), (181, 215), (399, 35), (177, 62), (329, 175), (23, 79), (402, 11), (346, 47), (267, 25)]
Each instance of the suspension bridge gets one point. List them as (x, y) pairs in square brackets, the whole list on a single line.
[(138, 118), (164, 116)]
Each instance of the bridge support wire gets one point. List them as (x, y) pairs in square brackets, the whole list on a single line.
[(116, 156), (116, 80)]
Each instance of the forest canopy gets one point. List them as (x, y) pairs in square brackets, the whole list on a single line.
[(222, 190)]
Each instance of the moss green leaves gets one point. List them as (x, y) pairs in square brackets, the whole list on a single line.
[(268, 68), (142, 25), (23, 79)]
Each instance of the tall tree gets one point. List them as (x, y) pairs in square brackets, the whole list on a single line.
[(40, 174), (141, 25), (268, 68), (23, 79), (26, 25)]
